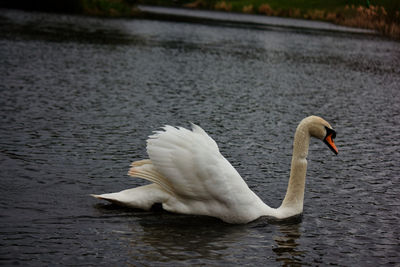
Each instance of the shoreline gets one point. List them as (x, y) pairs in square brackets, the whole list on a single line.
[(368, 19), (381, 16), (243, 20)]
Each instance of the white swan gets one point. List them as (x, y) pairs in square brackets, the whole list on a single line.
[(190, 176)]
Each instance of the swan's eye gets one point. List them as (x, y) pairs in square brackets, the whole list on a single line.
[(330, 132)]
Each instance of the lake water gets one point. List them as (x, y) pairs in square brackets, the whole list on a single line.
[(79, 96)]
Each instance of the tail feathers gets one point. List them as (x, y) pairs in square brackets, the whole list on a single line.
[(113, 198), (142, 197), (140, 162), (145, 169)]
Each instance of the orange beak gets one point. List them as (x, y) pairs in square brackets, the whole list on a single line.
[(329, 141)]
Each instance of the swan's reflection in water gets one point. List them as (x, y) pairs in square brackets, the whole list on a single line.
[(172, 238), (165, 239), (287, 247)]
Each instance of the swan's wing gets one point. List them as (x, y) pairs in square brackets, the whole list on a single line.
[(194, 168)]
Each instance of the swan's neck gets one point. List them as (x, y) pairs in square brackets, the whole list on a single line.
[(292, 204)]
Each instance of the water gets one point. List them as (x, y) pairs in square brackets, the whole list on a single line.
[(79, 96)]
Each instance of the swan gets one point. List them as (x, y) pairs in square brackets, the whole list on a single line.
[(189, 175)]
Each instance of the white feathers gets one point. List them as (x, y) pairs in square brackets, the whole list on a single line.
[(185, 158)]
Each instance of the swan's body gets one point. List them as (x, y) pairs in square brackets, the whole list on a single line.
[(190, 176)]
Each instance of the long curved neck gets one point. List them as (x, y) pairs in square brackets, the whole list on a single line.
[(293, 201)]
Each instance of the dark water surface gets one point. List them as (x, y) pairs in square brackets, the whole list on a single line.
[(79, 96)]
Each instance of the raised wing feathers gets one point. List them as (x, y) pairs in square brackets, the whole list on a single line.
[(193, 165)]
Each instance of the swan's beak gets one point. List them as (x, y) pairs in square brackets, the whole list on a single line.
[(328, 140)]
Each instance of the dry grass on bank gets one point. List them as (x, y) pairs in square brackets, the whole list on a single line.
[(374, 18)]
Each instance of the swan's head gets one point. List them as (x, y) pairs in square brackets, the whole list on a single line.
[(322, 130)]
